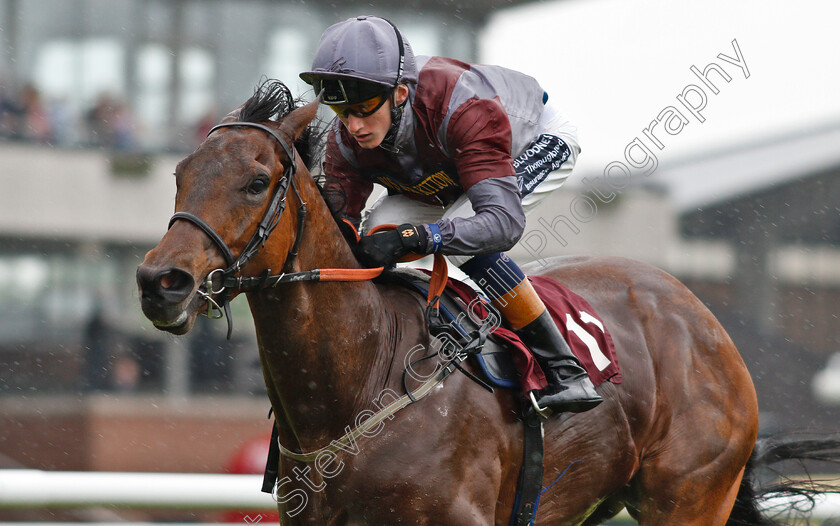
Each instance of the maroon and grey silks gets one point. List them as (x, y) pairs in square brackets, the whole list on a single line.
[(462, 125)]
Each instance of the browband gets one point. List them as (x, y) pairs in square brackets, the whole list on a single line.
[(289, 151)]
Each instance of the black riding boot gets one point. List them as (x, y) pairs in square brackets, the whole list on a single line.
[(569, 387)]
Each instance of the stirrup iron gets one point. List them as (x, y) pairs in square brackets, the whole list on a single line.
[(542, 411)]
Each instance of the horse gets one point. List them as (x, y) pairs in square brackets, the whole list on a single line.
[(671, 443)]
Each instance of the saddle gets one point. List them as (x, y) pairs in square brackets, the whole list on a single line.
[(503, 359)]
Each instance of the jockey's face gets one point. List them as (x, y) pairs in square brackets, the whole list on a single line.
[(371, 130)]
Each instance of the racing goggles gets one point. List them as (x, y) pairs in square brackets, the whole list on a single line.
[(351, 96), (361, 109)]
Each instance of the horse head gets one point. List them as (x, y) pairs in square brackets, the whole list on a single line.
[(231, 194)]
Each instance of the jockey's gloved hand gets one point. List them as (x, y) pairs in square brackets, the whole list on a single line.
[(383, 249)]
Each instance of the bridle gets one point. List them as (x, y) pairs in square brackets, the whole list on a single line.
[(218, 299), (220, 307)]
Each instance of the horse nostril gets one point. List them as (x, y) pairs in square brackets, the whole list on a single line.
[(172, 285), (175, 285), (175, 280)]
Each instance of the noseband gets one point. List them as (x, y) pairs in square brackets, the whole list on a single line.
[(229, 281)]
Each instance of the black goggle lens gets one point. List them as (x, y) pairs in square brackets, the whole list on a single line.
[(360, 109)]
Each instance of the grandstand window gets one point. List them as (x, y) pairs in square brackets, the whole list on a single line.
[(286, 56), (153, 73), (198, 71), (78, 72)]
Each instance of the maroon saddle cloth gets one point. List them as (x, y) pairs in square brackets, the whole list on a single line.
[(585, 331)]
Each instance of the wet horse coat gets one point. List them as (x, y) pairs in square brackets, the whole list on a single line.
[(670, 443)]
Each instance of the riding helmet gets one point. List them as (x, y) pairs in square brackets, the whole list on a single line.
[(360, 58)]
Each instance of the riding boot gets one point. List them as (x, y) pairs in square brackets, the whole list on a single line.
[(569, 387)]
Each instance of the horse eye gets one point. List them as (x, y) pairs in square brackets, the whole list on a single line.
[(258, 186)]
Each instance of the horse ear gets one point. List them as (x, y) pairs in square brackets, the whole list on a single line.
[(295, 122)]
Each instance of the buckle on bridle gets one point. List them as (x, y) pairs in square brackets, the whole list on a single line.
[(214, 310), (208, 282)]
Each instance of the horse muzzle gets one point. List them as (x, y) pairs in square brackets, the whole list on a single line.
[(166, 297)]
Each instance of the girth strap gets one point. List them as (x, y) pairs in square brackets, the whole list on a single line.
[(272, 463), (530, 476)]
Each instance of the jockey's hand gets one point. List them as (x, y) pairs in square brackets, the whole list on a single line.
[(383, 249)]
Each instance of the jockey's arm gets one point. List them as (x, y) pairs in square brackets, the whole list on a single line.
[(479, 138), (496, 226)]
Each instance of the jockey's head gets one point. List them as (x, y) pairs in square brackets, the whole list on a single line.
[(363, 68)]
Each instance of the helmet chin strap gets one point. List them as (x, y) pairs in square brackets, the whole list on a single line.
[(389, 142)]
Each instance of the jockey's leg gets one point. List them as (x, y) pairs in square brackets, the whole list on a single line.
[(569, 387), (542, 167)]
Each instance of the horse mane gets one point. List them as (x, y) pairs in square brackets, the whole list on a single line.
[(272, 101)]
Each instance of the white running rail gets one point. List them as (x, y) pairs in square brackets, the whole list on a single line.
[(30, 488)]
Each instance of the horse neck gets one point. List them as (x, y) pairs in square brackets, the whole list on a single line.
[(319, 341)]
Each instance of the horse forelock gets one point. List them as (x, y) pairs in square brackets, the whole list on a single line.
[(272, 101)]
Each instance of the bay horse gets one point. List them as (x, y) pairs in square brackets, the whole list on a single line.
[(670, 443)]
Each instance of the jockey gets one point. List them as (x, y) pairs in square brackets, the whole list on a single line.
[(465, 152)]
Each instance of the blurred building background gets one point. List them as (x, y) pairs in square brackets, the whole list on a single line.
[(99, 99)]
